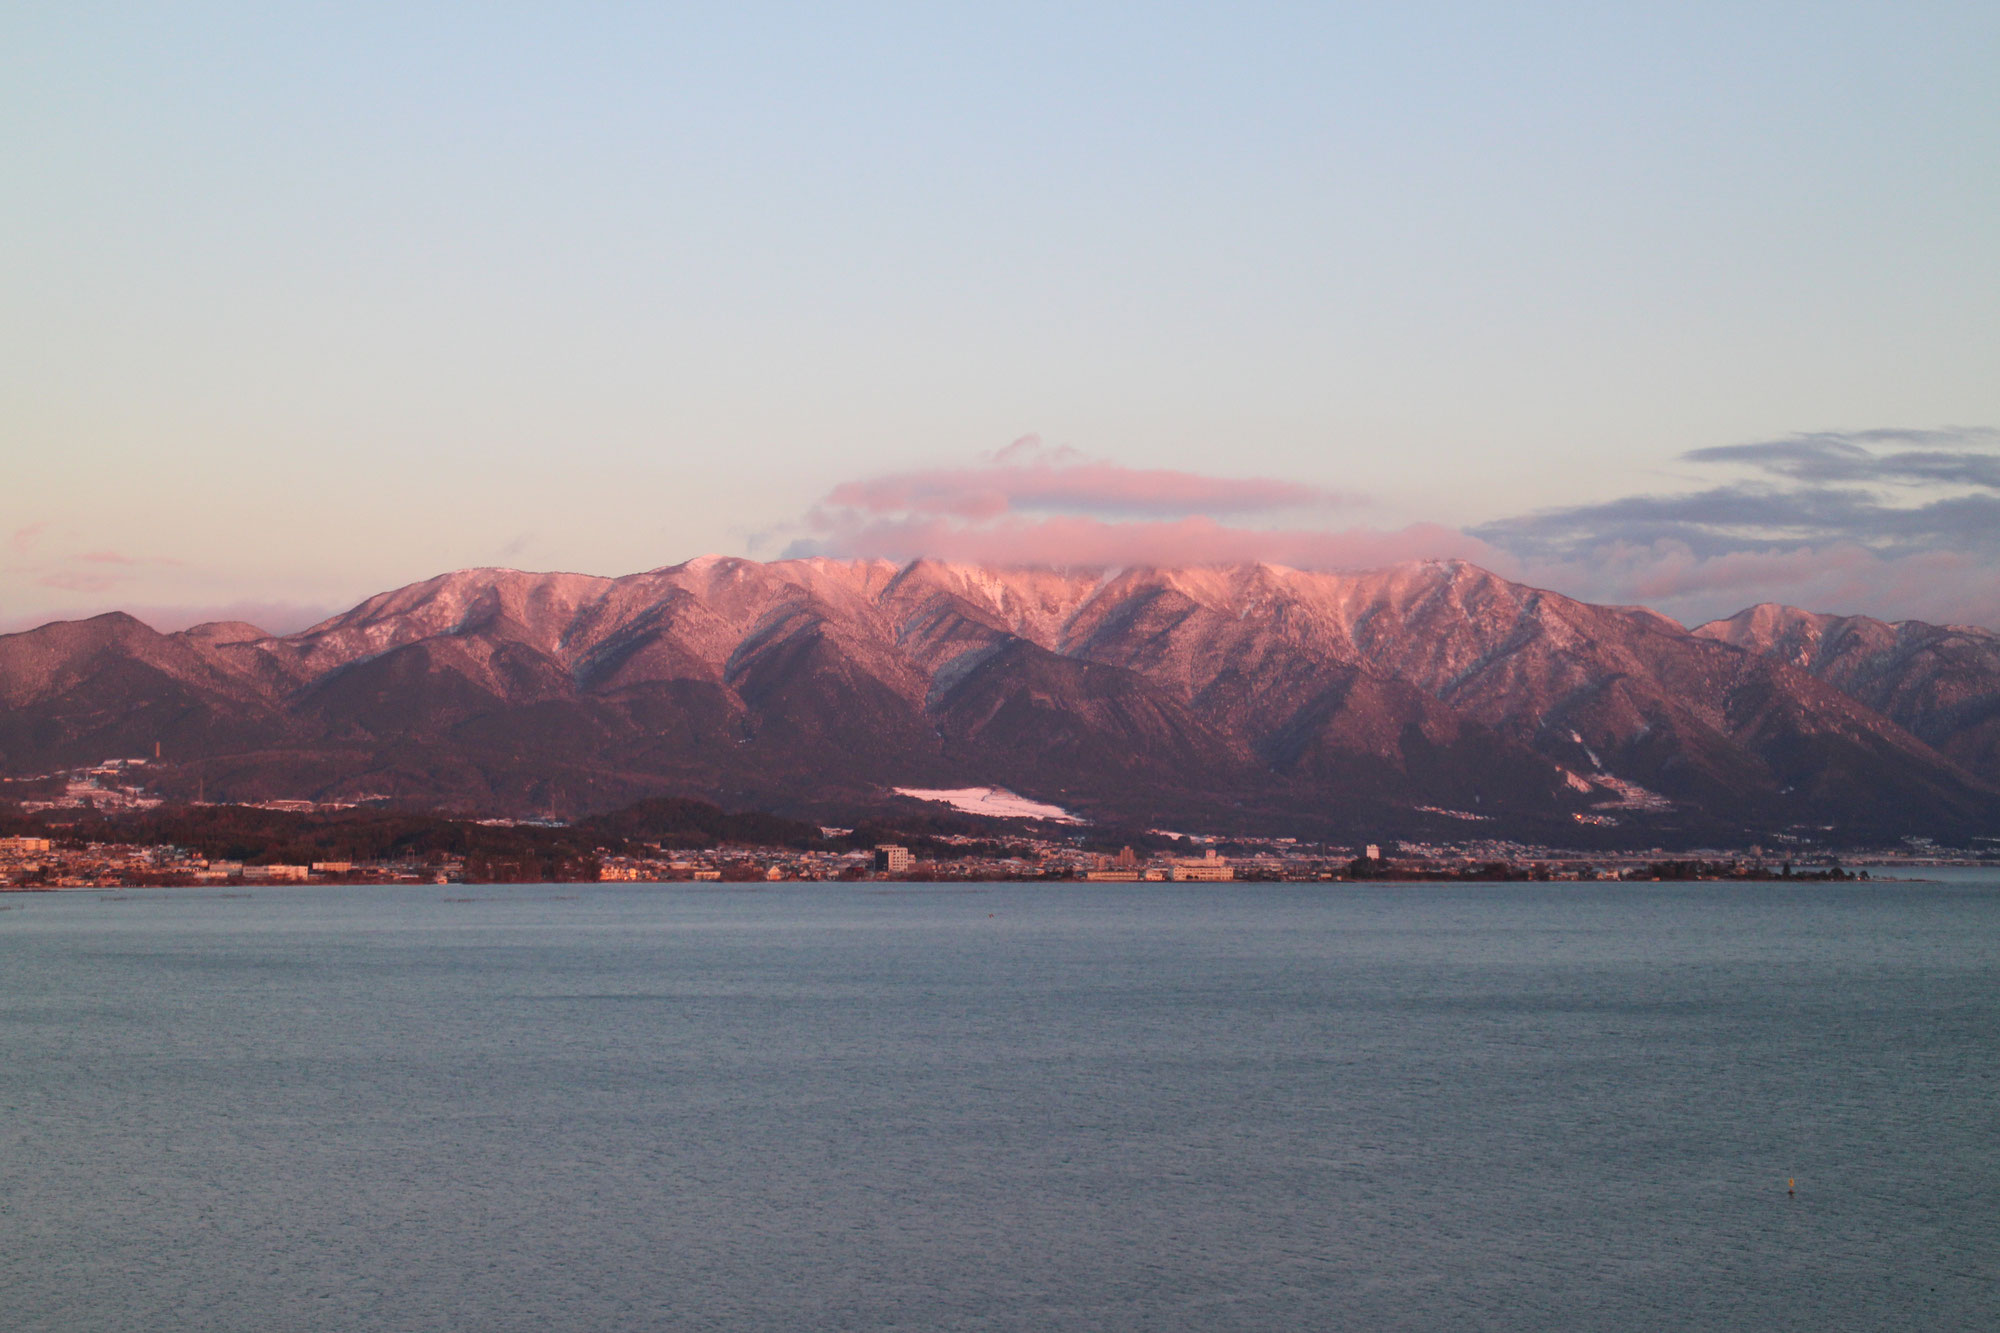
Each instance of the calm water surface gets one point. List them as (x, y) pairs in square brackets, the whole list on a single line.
[(999, 1106)]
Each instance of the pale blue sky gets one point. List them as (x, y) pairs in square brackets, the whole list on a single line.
[(299, 302)]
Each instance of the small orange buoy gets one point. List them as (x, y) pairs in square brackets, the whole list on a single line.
[(1792, 1186)]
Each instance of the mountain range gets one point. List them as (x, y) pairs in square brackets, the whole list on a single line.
[(1434, 699)]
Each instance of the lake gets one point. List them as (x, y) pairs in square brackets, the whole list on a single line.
[(1519, 1106)]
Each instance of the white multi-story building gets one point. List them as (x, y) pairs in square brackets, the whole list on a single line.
[(1210, 868)]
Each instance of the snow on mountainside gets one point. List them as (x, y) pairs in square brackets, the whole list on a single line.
[(1941, 682), (1245, 696)]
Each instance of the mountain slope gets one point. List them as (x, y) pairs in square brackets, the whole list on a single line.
[(1428, 698), (1940, 682), (75, 692)]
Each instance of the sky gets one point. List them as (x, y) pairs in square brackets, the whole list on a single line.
[(1690, 305)]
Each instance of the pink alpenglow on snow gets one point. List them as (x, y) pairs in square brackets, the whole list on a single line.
[(993, 802)]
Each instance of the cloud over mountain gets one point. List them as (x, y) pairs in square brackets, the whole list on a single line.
[(1041, 504), (1029, 477), (1896, 522), (1892, 522), (1808, 489)]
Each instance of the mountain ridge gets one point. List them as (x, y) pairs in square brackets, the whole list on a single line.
[(1940, 682), (1432, 697)]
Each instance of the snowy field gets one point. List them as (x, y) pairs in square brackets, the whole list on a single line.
[(994, 802)]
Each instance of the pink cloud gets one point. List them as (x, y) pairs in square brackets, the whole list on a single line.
[(24, 538), (1198, 540), (1085, 487), (108, 558), (1034, 504), (1029, 477)]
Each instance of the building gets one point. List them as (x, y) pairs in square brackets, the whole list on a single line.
[(894, 859), (1372, 852), (1210, 868), (19, 845), (1119, 869)]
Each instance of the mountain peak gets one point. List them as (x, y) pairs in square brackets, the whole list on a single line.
[(1251, 695), (224, 631), (1760, 626)]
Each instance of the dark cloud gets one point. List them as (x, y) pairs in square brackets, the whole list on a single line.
[(1894, 522), (1753, 518), (1963, 456), (1850, 487)]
